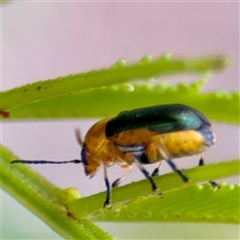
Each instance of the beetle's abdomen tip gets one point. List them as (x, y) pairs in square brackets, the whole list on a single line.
[(209, 136)]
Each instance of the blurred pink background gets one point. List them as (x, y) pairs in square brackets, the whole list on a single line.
[(43, 40)]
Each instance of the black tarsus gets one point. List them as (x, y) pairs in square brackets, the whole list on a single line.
[(202, 163)]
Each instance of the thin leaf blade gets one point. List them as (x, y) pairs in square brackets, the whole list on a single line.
[(117, 74), (218, 106), (191, 204)]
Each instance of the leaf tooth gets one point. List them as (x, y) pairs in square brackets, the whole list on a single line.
[(222, 94), (227, 95), (235, 96), (149, 86), (164, 57), (119, 64), (231, 187), (115, 87), (184, 87), (145, 59), (163, 87), (128, 87), (197, 86)]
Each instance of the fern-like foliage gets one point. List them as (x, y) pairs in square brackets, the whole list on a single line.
[(104, 93)]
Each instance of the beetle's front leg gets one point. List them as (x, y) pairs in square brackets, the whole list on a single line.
[(108, 192), (128, 168)]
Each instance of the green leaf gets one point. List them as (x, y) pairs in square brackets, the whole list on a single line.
[(218, 106), (119, 73), (45, 200), (123, 198), (190, 204)]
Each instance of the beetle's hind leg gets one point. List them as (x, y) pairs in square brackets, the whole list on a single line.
[(202, 163), (179, 172), (117, 181)]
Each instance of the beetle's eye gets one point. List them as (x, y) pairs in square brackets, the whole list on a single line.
[(84, 156)]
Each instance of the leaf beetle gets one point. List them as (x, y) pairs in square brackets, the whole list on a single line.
[(142, 136)]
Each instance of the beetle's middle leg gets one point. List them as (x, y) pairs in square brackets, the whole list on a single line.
[(128, 170), (156, 170), (179, 172), (146, 174)]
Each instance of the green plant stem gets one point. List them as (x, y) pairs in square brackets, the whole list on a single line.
[(45, 200)]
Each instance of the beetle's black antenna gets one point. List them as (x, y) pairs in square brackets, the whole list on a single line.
[(76, 161)]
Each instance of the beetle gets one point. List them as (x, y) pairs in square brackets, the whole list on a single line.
[(142, 136)]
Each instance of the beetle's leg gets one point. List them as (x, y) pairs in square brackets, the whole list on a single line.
[(202, 163), (78, 135), (117, 181), (156, 170), (108, 192), (175, 169), (146, 174)]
